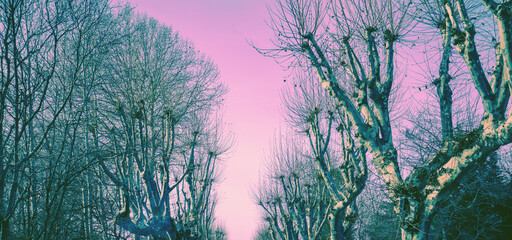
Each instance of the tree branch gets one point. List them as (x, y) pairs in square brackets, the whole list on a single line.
[(467, 48)]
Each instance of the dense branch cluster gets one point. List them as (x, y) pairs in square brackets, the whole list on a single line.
[(359, 50), (110, 125)]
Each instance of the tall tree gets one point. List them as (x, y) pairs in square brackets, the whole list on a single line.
[(346, 42), (340, 161), (294, 200), (45, 48), (155, 117), (195, 199)]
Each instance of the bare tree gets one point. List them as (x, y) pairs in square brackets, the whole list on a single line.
[(46, 47), (295, 203), (339, 159), (346, 41), (155, 128), (95, 100), (195, 199)]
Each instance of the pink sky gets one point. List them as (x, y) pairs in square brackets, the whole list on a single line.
[(221, 29)]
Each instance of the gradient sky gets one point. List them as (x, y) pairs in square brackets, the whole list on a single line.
[(221, 29)]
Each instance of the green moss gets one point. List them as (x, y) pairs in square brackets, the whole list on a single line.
[(441, 24), (432, 180), (390, 36), (137, 114), (465, 141), (422, 174), (458, 36), (408, 190), (351, 218), (371, 29)]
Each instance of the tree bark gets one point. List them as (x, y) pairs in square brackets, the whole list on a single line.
[(337, 229), (4, 230)]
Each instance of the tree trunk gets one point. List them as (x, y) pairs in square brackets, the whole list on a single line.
[(337, 229), (4, 230)]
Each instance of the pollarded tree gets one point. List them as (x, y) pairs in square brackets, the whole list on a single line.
[(346, 42), (153, 121), (294, 202), (340, 161), (195, 199)]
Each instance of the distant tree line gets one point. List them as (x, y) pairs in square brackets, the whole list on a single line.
[(110, 125), (399, 117)]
